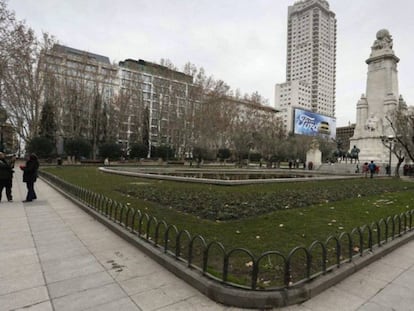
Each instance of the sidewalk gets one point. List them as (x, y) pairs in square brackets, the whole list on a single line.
[(54, 256)]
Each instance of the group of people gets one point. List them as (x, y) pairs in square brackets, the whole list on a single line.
[(370, 168), (29, 175)]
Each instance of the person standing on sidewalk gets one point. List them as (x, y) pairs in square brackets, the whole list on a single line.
[(9, 185), (30, 176), (372, 169), (6, 175)]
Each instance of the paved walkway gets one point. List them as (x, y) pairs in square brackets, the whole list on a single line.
[(54, 256)]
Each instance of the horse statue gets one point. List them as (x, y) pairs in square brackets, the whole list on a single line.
[(354, 154), (339, 155)]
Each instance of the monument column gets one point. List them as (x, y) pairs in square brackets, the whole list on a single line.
[(380, 101)]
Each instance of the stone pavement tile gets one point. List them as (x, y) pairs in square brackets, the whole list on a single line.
[(295, 308), (406, 279), (199, 303), (111, 241), (30, 251), (18, 271), (89, 229), (131, 268), (17, 262), (153, 300), (21, 281), (89, 298), (371, 306), (405, 250), (334, 299), (98, 240), (144, 283), (76, 219), (39, 205), (43, 249), (67, 268), (12, 224), (71, 213), (361, 285), (399, 259), (55, 275), (42, 213), (46, 235), (164, 296), (50, 227), (43, 306), (381, 271), (395, 296), (11, 210), (58, 238), (68, 263), (46, 225), (16, 241), (13, 230), (120, 256), (124, 304), (24, 298), (53, 253), (81, 283)]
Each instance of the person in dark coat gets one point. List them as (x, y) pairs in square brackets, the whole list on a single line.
[(9, 185), (6, 175), (30, 176)]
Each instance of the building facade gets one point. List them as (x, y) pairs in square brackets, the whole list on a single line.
[(156, 107), (81, 86), (311, 61), (343, 134), (139, 102)]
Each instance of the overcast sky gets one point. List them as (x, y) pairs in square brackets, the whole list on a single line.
[(242, 42)]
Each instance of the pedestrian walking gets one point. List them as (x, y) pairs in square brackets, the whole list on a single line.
[(365, 169), (30, 176), (372, 169), (6, 175)]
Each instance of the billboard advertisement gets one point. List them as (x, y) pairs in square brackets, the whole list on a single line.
[(313, 124)]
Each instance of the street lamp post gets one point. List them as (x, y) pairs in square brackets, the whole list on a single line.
[(388, 141)]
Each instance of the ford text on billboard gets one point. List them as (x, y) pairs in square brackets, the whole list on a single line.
[(314, 124)]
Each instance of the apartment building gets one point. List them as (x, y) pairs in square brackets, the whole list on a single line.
[(158, 106), (136, 101), (311, 61), (81, 86)]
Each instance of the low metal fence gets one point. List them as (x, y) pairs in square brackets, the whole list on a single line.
[(239, 267)]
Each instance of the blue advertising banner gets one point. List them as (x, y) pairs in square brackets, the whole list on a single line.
[(314, 124)]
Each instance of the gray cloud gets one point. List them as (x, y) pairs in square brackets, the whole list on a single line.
[(242, 42)]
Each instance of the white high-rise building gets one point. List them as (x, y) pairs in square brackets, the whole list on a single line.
[(311, 61)]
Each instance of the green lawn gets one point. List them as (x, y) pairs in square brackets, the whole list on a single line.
[(262, 217)]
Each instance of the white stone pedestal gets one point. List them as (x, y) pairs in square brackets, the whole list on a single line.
[(314, 156)]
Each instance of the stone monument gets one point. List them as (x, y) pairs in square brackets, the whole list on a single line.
[(381, 99), (314, 155)]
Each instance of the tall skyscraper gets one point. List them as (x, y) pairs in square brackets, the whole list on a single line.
[(311, 61)]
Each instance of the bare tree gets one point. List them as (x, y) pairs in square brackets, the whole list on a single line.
[(401, 124), (21, 82)]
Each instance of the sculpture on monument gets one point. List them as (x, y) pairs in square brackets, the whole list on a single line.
[(373, 124), (383, 41), (339, 154), (354, 154), (314, 145)]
